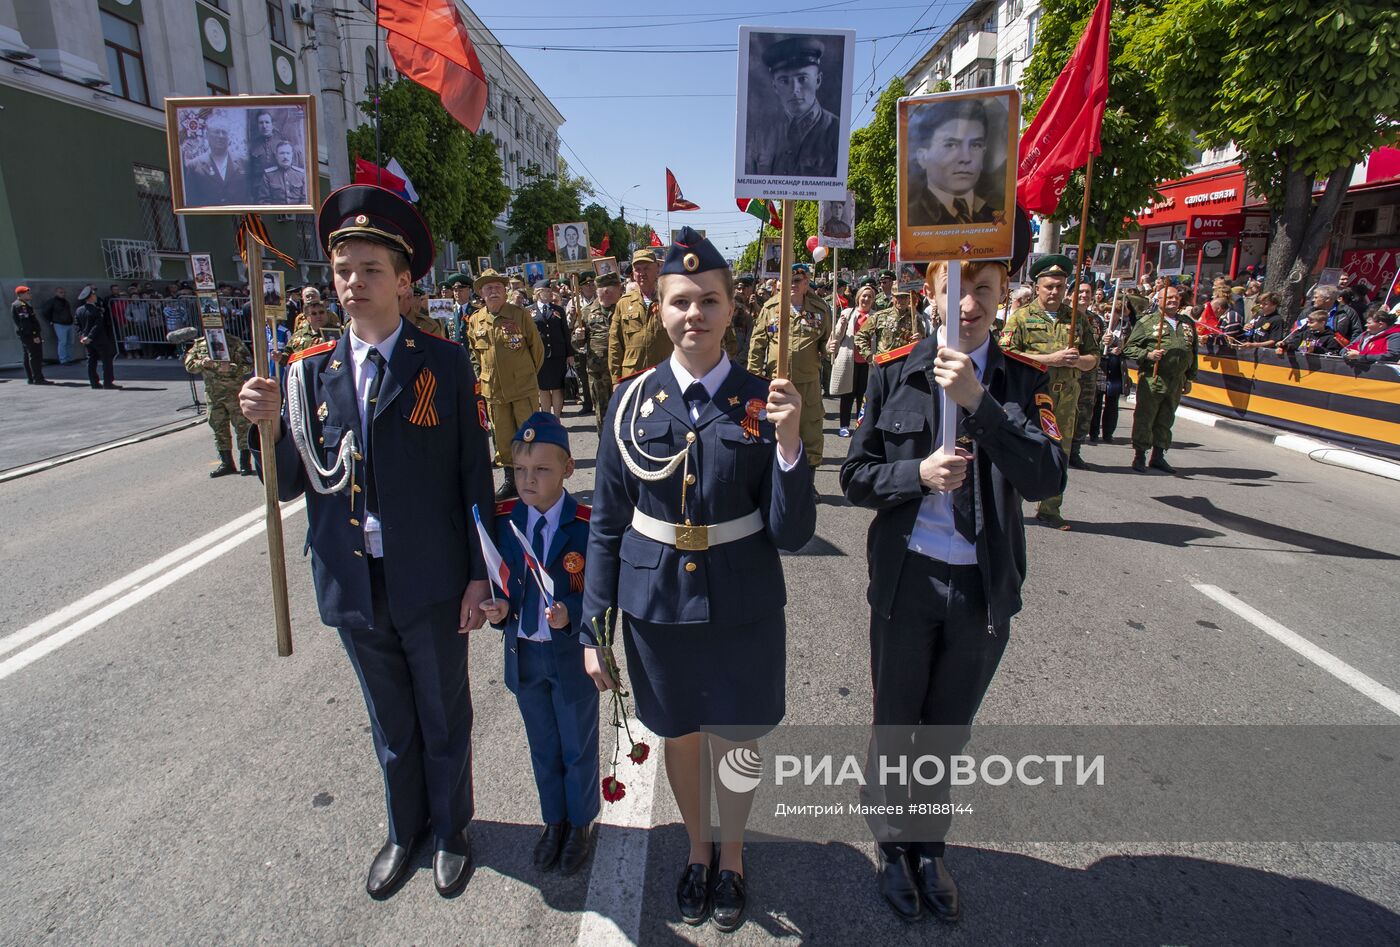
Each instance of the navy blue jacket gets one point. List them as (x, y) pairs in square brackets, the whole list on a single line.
[(430, 466), (567, 551), (735, 474), (1015, 459)]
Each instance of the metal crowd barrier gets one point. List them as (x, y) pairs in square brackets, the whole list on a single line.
[(143, 324)]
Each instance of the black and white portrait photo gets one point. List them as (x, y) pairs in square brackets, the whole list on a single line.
[(794, 115), (1125, 254), (483, 263), (1169, 258), (250, 153), (571, 247), (605, 265), (836, 223), (772, 261), (1103, 258)]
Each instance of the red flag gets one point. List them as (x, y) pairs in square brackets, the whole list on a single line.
[(549, 239), (675, 200), (367, 172), (894, 252), (761, 208), (655, 240), (431, 46), (1068, 127), (602, 248)]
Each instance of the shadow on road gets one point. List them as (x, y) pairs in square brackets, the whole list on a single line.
[(1263, 529), (1164, 534)]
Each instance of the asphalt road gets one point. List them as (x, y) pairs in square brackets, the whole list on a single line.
[(168, 779)]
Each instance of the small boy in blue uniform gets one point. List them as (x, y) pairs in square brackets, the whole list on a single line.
[(543, 656)]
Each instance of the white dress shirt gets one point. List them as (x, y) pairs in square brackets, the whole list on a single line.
[(935, 534), (551, 527), (364, 374), (711, 382)]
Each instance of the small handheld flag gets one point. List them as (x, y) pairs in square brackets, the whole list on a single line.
[(495, 565), (532, 565)]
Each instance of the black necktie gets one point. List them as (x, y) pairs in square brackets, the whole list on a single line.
[(695, 398), (371, 492), (530, 607), (961, 211)]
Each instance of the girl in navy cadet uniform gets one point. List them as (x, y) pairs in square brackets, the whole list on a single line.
[(700, 481)]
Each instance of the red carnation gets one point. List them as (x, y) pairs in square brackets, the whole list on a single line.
[(612, 789), (638, 753)]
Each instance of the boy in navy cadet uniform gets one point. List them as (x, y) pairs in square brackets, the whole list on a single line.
[(380, 432), (544, 658)]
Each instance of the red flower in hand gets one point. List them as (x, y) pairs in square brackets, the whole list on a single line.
[(639, 752), (612, 789)]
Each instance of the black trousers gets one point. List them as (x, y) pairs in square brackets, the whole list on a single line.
[(855, 398), (413, 673), (33, 357), (931, 662), (94, 358), (1105, 416)]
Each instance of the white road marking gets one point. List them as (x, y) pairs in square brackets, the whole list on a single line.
[(1330, 663), (612, 913), (162, 573)]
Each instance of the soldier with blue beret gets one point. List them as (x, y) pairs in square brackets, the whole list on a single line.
[(380, 432), (700, 482)]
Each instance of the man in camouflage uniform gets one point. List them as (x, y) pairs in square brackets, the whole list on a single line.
[(575, 308), (1041, 332), (636, 338), (507, 351), (808, 331), (1088, 382), (742, 323), (1164, 344), (221, 383), (889, 329), (884, 299), (595, 323), (313, 323)]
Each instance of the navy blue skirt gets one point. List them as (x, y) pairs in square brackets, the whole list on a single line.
[(729, 680)]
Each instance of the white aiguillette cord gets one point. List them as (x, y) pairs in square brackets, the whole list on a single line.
[(300, 423), (668, 464)]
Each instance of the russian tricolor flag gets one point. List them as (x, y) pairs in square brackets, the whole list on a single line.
[(495, 565)]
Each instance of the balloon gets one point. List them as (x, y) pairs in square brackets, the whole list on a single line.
[(818, 254), (812, 244)]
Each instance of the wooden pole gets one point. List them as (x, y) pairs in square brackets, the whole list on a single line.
[(1079, 259), (276, 552), (785, 293)]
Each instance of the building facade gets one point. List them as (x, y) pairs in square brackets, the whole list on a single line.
[(85, 185)]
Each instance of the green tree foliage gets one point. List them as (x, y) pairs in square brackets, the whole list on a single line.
[(1305, 90), (1141, 145), (457, 175), (541, 202)]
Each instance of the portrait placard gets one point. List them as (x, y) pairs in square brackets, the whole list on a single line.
[(910, 275), (217, 342), (1103, 258), (1170, 258), (442, 309), (483, 263), (604, 265), (464, 267), (836, 223), (571, 245), (210, 316), (794, 117), (675, 234), (1125, 260), (250, 153), (957, 174), (274, 290), (534, 272), (203, 266), (771, 263)]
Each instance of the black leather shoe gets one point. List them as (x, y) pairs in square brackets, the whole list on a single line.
[(547, 848), (507, 488), (898, 887), (1139, 461), (731, 893), (937, 889), (1076, 460), (577, 847), (1159, 462), (451, 862), (389, 869), (693, 892)]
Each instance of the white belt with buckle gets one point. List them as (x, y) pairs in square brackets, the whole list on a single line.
[(696, 538)]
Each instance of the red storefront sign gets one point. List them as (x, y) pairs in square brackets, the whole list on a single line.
[(1213, 227), (1209, 193), (1376, 267)]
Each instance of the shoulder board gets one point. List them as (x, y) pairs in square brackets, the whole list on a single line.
[(585, 512), (314, 350), (505, 506), (894, 354), (633, 375), (439, 338), (1024, 360)]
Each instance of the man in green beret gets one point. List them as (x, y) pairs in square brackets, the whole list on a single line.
[(804, 142), (1041, 332)]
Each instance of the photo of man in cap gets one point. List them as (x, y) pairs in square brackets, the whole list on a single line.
[(790, 132), (948, 146)]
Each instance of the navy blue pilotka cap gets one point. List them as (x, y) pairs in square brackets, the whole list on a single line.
[(692, 253), (543, 427)]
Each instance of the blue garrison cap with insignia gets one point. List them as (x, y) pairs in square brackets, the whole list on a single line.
[(542, 427), (691, 253)]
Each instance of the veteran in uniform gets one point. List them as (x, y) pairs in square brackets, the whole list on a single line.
[(1041, 332), (889, 329), (947, 557), (636, 339), (803, 143), (461, 288), (1165, 345), (595, 322), (807, 336), (380, 433), (281, 183), (1088, 381), (506, 345), (884, 299), (221, 384), (413, 306), (315, 324), (699, 484)]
